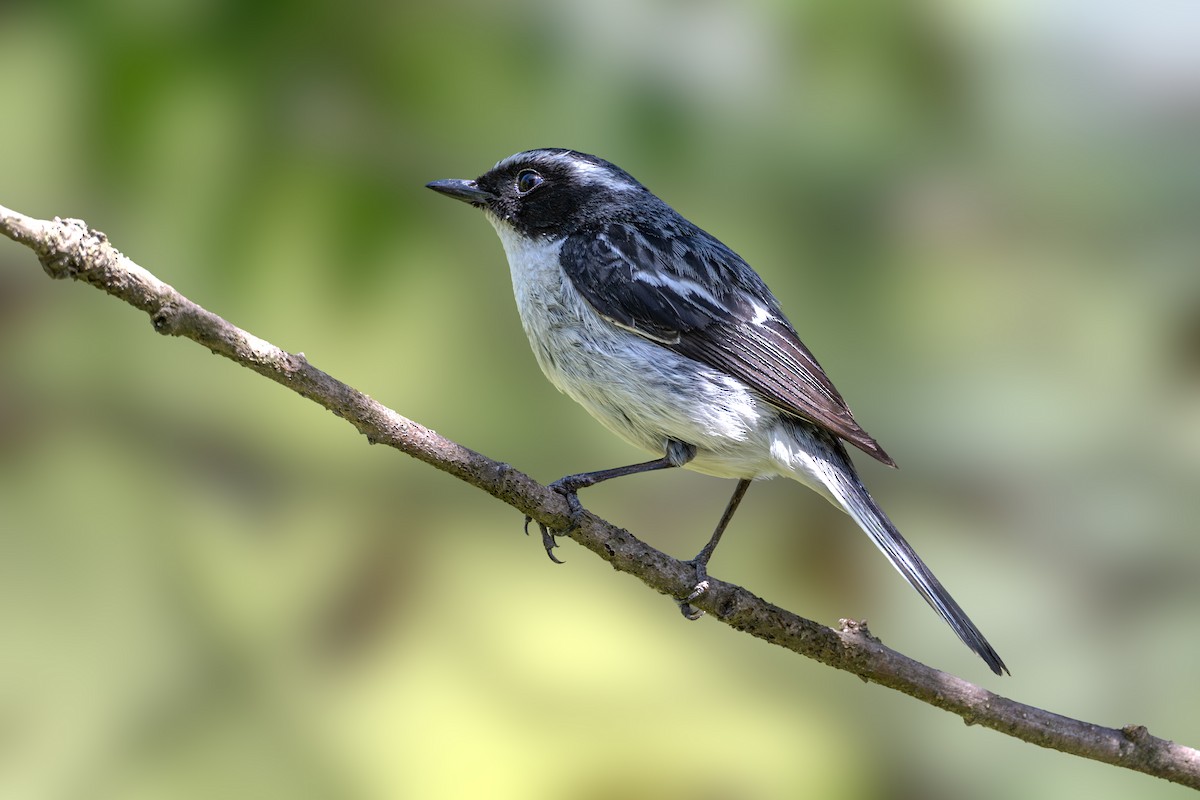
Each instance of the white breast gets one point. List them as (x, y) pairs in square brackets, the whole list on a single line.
[(636, 388)]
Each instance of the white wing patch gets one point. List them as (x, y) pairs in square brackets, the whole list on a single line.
[(761, 314), (680, 286)]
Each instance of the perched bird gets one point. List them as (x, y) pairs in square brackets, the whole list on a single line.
[(673, 342)]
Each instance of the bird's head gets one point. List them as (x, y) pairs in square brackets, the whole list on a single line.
[(551, 192)]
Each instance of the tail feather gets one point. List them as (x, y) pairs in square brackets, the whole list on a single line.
[(849, 491)]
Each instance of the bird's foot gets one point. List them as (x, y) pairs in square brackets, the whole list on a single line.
[(567, 487), (548, 540), (685, 605)]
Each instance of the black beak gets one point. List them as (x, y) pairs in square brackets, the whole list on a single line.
[(467, 191)]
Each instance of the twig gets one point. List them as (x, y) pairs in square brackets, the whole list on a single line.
[(67, 248)]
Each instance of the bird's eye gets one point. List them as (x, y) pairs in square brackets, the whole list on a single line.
[(528, 180)]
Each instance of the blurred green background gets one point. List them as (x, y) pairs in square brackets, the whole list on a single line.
[(982, 216)]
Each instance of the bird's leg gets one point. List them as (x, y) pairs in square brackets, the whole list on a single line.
[(700, 562), (678, 453)]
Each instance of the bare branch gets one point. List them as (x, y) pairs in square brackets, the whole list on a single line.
[(69, 249)]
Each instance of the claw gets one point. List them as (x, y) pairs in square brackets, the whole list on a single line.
[(567, 489), (549, 542), (685, 605)]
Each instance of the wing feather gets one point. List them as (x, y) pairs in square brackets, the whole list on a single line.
[(677, 286)]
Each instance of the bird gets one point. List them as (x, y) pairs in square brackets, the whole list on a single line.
[(673, 342)]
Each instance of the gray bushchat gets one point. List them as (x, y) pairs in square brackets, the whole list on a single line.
[(672, 341)]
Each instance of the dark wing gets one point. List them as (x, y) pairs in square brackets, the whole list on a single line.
[(676, 285)]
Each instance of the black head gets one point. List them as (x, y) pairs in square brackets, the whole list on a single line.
[(552, 192)]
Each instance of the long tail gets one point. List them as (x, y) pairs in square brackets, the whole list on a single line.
[(842, 482)]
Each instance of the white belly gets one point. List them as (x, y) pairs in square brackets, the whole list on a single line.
[(640, 390)]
